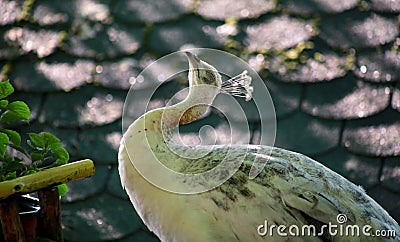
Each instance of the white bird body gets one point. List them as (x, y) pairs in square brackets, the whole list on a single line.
[(292, 190)]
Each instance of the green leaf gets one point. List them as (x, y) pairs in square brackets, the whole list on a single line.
[(30, 144), (11, 168), (17, 110), (49, 138), (6, 89), (36, 156), (12, 135), (61, 155), (29, 172), (47, 147), (4, 140), (10, 176), (14, 166), (8, 159), (62, 189), (3, 104), (36, 140), (55, 146)]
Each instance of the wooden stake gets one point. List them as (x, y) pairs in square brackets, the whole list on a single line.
[(10, 221), (49, 223)]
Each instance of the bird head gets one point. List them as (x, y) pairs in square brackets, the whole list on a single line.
[(202, 73)]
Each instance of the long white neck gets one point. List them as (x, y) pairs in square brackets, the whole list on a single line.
[(149, 137), (200, 97)]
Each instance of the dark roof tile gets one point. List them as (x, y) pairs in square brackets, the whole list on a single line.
[(155, 73), (302, 133), (223, 9), (191, 30), (7, 51), (374, 136), (138, 101), (104, 140), (252, 111), (102, 108), (156, 11), (351, 99), (93, 10), (10, 11), (117, 74), (387, 199), (392, 6), (101, 40), (321, 6), (60, 73), (142, 235), (361, 170), (48, 12), (114, 185), (278, 32), (82, 189), (378, 67), (32, 99), (42, 42), (87, 106), (286, 97), (358, 30), (99, 218), (321, 67), (391, 174)]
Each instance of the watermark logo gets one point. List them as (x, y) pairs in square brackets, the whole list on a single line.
[(339, 228), (341, 218), (149, 164)]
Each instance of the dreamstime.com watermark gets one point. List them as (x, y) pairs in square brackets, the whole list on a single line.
[(340, 229)]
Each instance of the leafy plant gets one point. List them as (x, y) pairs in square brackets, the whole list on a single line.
[(44, 149)]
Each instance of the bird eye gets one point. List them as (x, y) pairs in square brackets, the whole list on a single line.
[(208, 77)]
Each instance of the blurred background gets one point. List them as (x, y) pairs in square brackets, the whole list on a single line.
[(332, 68)]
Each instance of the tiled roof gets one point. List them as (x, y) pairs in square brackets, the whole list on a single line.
[(332, 68)]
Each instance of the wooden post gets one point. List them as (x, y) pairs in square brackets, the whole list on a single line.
[(49, 222), (10, 221)]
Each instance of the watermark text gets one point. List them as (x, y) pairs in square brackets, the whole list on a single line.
[(333, 229)]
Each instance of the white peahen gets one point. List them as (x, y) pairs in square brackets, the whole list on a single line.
[(292, 190)]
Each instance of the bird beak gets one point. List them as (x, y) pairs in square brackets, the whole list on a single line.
[(194, 61)]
